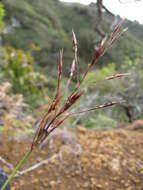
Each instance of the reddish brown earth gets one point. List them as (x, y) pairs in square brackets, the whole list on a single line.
[(90, 160)]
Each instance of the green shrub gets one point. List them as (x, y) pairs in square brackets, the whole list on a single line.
[(101, 122), (19, 70)]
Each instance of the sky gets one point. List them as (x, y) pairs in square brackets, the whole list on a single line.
[(132, 11)]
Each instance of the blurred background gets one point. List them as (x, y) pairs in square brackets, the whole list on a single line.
[(31, 34)]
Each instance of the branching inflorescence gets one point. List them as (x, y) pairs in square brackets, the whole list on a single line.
[(57, 114)]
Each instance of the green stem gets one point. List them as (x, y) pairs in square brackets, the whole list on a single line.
[(18, 166)]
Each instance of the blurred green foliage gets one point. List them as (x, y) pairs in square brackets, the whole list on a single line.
[(2, 14), (127, 90), (95, 80), (20, 72), (101, 121), (44, 24)]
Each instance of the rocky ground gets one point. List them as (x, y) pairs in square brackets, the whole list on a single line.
[(80, 159)]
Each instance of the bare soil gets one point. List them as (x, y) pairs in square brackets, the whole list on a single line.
[(81, 159)]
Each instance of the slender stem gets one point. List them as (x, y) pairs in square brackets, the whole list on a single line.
[(18, 166)]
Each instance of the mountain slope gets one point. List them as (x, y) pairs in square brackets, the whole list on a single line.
[(48, 25)]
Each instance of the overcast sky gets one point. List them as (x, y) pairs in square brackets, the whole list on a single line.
[(132, 10)]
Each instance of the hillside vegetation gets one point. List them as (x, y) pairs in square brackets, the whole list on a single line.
[(46, 26)]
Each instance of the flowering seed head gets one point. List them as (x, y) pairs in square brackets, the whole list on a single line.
[(55, 117)]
